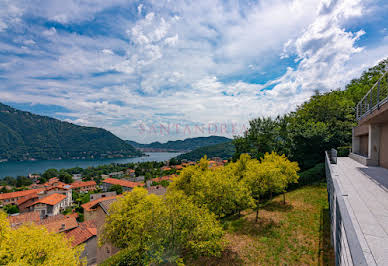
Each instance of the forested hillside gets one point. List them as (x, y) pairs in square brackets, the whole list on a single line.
[(181, 145), (321, 123), (222, 150), (24, 136)]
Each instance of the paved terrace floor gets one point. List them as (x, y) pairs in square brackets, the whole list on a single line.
[(366, 188)]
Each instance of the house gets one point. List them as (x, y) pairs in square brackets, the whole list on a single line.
[(17, 220), (168, 178), (370, 136), (358, 186), (50, 205), (59, 223), (33, 177), (104, 176), (137, 178), (60, 189), (84, 186), (85, 233), (178, 167), (97, 211), (165, 168), (117, 174), (77, 177), (13, 197), (26, 201), (127, 185), (130, 172), (97, 196)]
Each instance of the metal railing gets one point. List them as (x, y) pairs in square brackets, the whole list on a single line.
[(344, 239), (374, 98)]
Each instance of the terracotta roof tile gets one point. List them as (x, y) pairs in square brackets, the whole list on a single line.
[(89, 205), (160, 179), (83, 184), (58, 225), (82, 233), (17, 220), (26, 198), (123, 183), (52, 199), (16, 194)]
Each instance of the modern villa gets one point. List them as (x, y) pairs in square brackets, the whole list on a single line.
[(358, 185)]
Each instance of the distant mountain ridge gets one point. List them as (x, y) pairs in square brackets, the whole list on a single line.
[(27, 136), (180, 145), (223, 150)]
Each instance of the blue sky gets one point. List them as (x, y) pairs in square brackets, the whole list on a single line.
[(131, 66)]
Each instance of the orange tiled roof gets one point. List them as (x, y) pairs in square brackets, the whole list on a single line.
[(160, 179), (82, 233), (52, 199), (83, 184), (22, 218), (24, 199), (165, 168), (59, 224), (178, 167), (17, 194), (89, 205), (123, 183)]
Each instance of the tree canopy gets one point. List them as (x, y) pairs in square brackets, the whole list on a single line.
[(34, 245), (152, 229)]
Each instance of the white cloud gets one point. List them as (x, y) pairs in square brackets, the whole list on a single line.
[(107, 51), (187, 63)]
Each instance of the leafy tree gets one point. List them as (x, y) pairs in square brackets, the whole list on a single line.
[(117, 188), (152, 229), (287, 172), (11, 209), (22, 181), (218, 189), (34, 245), (65, 177), (50, 173)]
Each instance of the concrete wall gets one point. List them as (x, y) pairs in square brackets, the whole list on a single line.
[(384, 145), (364, 145)]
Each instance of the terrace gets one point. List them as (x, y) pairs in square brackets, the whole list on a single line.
[(358, 197)]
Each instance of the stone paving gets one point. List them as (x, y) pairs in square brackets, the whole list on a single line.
[(365, 191)]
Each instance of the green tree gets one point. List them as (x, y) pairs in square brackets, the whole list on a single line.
[(117, 188), (152, 229), (34, 245), (218, 189), (11, 209), (65, 177), (50, 173)]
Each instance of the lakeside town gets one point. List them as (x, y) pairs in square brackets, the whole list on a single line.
[(78, 208)]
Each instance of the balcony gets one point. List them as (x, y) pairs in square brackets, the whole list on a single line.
[(370, 137), (358, 198)]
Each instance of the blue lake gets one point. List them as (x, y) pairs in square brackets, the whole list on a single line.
[(28, 167)]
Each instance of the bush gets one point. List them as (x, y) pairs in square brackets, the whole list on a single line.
[(343, 151), (311, 176)]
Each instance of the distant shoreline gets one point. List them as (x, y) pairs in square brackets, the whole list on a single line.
[(15, 168)]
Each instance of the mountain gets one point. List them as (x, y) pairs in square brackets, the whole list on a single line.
[(26, 136), (222, 150), (180, 145)]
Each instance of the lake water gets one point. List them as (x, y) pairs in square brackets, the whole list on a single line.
[(28, 167)]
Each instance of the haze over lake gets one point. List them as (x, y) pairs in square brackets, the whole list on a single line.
[(28, 167)]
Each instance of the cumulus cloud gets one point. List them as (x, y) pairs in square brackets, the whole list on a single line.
[(191, 63)]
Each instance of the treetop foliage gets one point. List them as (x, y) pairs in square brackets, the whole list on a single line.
[(34, 245)]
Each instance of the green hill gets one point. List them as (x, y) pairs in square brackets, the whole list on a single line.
[(25, 136), (180, 145), (222, 150)]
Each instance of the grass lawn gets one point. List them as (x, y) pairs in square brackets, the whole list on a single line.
[(297, 233)]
